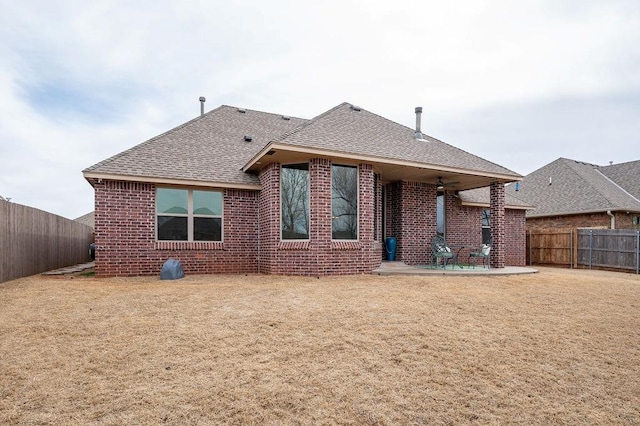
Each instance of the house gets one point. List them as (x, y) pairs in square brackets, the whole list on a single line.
[(242, 191), (572, 194)]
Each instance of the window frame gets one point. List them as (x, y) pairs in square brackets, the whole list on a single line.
[(357, 168), (190, 215), (288, 165)]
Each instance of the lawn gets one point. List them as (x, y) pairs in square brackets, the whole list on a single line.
[(559, 346)]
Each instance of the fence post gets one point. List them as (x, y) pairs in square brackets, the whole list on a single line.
[(530, 248), (590, 247), (571, 249), (637, 252)]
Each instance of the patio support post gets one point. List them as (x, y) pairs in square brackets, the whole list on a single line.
[(498, 241)]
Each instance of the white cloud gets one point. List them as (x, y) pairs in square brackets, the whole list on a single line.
[(81, 81)]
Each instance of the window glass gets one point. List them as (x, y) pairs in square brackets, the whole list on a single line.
[(486, 226), (207, 229), (440, 213), (344, 202), (207, 203), (294, 202), (172, 228), (188, 215), (172, 201)]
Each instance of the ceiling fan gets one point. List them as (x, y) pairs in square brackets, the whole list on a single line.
[(440, 185)]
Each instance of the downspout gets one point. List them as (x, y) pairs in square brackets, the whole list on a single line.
[(613, 219)]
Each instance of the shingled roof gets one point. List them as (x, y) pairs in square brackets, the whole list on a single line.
[(567, 186), (352, 130), (482, 196), (212, 150)]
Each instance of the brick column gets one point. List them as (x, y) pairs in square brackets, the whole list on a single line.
[(497, 256), (269, 218), (320, 214)]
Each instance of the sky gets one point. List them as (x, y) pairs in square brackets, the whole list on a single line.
[(519, 83)]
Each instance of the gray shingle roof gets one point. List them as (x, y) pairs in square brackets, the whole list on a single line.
[(344, 129), (210, 148), (627, 175), (567, 186)]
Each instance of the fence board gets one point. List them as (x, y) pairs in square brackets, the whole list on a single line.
[(34, 241), (602, 248)]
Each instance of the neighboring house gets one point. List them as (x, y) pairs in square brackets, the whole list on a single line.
[(87, 219), (242, 191), (572, 194)]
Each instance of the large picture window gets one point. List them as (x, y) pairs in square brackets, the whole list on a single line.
[(188, 215), (294, 201), (344, 202)]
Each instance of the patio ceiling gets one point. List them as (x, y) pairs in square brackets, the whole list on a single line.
[(390, 170)]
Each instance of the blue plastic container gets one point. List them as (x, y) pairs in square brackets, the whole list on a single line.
[(390, 248)]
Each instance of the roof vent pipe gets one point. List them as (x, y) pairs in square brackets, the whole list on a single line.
[(202, 101), (418, 133)]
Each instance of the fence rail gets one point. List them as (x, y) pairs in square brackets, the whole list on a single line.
[(601, 248), (34, 241)]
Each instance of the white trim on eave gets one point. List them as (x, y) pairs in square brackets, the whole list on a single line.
[(372, 159), (169, 181), (507, 206)]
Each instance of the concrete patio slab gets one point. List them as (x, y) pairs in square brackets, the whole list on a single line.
[(400, 268)]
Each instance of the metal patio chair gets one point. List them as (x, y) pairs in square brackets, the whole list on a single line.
[(440, 250), (482, 253)]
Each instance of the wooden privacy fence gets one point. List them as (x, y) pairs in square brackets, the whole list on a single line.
[(589, 248), (34, 241)]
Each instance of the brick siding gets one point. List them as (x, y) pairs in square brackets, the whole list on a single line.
[(586, 220), (126, 242)]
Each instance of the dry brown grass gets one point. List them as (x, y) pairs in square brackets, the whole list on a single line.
[(560, 346)]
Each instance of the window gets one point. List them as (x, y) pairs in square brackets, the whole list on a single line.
[(486, 226), (189, 215), (294, 202), (344, 202), (440, 214)]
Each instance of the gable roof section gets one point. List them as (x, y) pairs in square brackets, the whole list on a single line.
[(348, 130), (626, 175), (567, 186), (207, 150)]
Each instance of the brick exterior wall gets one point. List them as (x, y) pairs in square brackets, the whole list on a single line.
[(126, 242), (125, 223), (413, 219), (498, 237), (587, 220), (319, 256)]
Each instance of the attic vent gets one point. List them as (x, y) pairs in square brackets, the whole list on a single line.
[(242, 110), (271, 152), (356, 108), (248, 138), (286, 117)]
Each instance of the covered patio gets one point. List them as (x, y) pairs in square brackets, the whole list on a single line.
[(401, 268)]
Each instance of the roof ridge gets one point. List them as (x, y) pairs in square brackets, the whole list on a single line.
[(308, 123), (595, 188), (618, 186)]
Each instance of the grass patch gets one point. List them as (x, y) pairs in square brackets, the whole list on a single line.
[(559, 346)]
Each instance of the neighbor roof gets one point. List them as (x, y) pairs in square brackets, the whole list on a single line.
[(571, 187), (211, 150)]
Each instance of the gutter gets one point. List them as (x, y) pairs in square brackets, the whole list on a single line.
[(613, 219)]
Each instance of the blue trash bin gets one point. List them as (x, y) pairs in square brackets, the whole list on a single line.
[(390, 248)]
